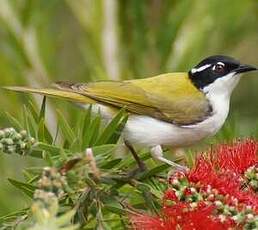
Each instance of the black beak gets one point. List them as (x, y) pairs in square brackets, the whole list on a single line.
[(245, 68)]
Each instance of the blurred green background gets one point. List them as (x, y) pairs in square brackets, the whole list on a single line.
[(42, 41)]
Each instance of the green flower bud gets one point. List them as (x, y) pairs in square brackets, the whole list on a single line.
[(226, 210), (1, 133), (12, 130), (250, 216), (17, 136), (23, 133), (11, 149), (14, 142), (179, 194), (194, 205), (7, 132), (32, 140), (238, 218), (254, 183), (22, 145), (9, 141), (218, 203)]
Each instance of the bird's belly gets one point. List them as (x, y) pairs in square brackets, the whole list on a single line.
[(148, 132)]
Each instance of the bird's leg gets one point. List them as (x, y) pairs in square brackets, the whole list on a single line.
[(140, 163), (157, 153)]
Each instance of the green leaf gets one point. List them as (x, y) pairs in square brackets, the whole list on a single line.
[(32, 108), (101, 223), (86, 127), (36, 153), (66, 129), (90, 182), (79, 130), (43, 133), (13, 216), (34, 170), (116, 135), (147, 196), (103, 149), (115, 209), (29, 122), (65, 220), (113, 130), (93, 131), (30, 178), (110, 164), (14, 122), (47, 157), (130, 161), (41, 130), (43, 109), (26, 188), (154, 171), (52, 149)]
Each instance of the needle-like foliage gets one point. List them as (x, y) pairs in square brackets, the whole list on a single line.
[(102, 185)]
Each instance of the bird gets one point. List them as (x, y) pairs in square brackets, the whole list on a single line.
[(175, 109)]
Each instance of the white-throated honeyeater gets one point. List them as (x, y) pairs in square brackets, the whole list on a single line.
[(172, 109)]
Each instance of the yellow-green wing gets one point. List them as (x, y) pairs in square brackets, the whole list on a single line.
[(65, 94), (169, 97)]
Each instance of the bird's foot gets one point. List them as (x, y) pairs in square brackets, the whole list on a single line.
[(157, 153)]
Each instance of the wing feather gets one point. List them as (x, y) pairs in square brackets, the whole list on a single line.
[(70, 96), (169, 97)]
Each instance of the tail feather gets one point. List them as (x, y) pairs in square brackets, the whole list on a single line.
[(57, 93)]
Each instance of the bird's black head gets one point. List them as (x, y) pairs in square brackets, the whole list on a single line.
[(214, 67)]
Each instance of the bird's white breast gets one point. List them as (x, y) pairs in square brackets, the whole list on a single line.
[(147, 131)]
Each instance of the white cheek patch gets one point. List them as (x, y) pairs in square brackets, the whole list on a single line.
[(200, 69)]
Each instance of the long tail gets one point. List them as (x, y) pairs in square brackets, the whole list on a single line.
[(67, 95)]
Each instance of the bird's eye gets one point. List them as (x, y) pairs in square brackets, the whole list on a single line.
[(219, 68)]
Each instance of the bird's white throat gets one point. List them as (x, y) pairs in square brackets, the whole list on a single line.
[(222, 86)]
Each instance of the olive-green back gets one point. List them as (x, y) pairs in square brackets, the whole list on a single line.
[(170, 97)]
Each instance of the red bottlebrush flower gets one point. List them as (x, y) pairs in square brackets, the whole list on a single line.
[(181, 216), (203, 171), (170, 195), (221, 169), (237, 157), (188, 192), (220, 192), (202, 219), (145, 222)]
